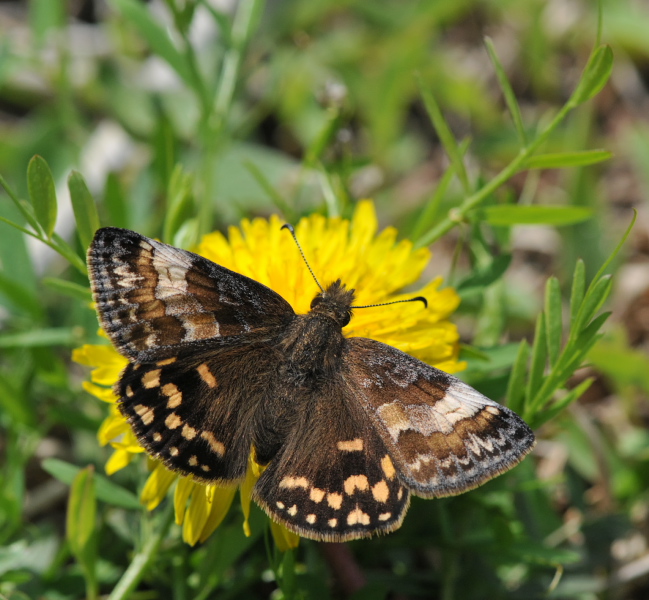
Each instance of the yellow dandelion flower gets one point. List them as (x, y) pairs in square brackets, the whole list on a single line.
[(374, 263)]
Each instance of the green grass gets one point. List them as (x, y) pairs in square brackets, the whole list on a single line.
[(466, 121)]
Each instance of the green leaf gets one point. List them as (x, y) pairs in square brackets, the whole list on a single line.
[(533, 552), (512, 214), (180, 204), (276, 198), (537, 366), (490, 323), (484, 277), (188, 234), (560, 160), (84, 207), (587, 336), (578, 290), (549, 413), (25, 208), (446, 137), (594, 77), (42, 193), (427, 217), (322, 139), (82, 511), (45, 16), (553, 320), (28, 212), (508, 92), (81, 529), (617, 248), (35, 338), (516, 384), (67, 252), (487, 360), (595, 298), (115, 201), (584, 343), (156, 36), (107, 491), (16, 408), (68, 288), (20, 296)]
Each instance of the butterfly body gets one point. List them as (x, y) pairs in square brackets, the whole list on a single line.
[(347, 428)]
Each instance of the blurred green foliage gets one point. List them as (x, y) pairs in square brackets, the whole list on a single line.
[(174, 118)]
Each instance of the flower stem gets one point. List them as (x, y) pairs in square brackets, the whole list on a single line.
[(343, 565), (142, 559)]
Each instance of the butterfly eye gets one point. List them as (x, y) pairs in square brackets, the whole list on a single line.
[(346, 319)]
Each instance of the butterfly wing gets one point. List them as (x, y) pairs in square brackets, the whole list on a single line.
[(334, 479), (197, 412), (443, 436), (151, 297)]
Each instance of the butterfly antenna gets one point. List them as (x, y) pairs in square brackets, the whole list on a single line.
[(306, 262), (417, 299)]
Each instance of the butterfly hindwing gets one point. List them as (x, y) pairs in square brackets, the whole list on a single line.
[(444, 437), (334, 479), (151, 296), (189, 411)]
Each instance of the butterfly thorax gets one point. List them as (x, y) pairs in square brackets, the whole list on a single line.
[(313, 343)]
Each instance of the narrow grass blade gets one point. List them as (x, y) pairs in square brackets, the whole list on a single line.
[(537, 365), (511, 214), (553, 318), (446, 137), (107, 491), (429, 212), (38, 338), (516, 386), (68, 288), (180, 204), (562, 160), (595, 298), (508, 92), (272, 193), (483, 278), (156, 36), (578, 290)]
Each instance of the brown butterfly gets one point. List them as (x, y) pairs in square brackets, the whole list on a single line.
[(348, 428)]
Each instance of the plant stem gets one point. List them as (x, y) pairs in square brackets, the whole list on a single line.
[(344, 567), (457, 214), (142, 559), (242, 28)]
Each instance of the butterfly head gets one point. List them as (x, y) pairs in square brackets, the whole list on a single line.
[(334, 302)]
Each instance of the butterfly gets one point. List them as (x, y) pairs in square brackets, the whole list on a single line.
[(347, 428)]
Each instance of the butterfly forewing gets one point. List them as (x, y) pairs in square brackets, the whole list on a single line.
[(151, 296), (444, 437), (334, 479)]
